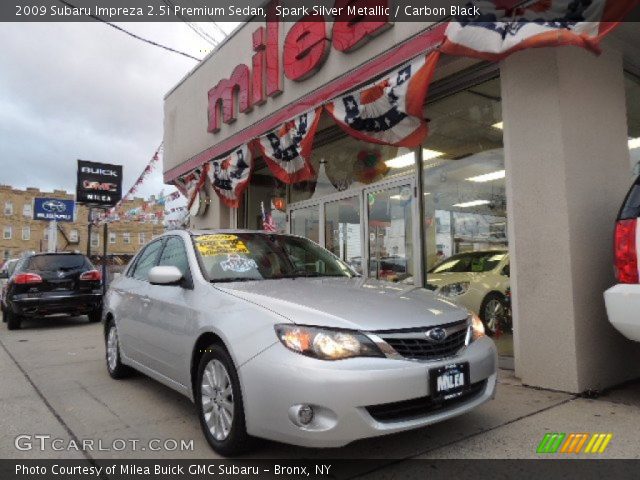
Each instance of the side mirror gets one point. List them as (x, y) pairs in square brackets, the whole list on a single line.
[(4, 274), (165, 276)]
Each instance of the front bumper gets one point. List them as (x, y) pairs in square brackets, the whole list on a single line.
[(339, 392), (623, 304), (56, 303)]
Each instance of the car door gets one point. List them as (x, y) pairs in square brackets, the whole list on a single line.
[(169, 314), (133, 302)]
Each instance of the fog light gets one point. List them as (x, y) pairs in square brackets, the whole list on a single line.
[(305, 414)]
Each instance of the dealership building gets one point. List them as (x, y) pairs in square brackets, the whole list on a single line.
[(528, 158)]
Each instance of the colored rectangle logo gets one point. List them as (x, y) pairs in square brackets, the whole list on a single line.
[(574, 443)]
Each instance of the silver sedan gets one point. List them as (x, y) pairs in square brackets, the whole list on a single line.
[(274, 337)]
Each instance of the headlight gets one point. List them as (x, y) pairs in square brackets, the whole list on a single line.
[(477, 327), (454, 289), (326, 344)]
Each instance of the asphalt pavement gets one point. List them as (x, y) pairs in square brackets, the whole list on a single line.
[(54, 383)]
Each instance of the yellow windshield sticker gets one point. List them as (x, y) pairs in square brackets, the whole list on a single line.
[(220, 244)]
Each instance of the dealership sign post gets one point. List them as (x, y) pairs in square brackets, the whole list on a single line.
[(99, 185)]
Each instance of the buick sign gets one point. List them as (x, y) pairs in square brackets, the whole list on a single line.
[(58, 209), (99, 184)]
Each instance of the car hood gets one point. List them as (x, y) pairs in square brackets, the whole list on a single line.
[(353, 303)]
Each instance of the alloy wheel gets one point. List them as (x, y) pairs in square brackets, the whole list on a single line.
[(217, 399), (112, 348), (494, 313)]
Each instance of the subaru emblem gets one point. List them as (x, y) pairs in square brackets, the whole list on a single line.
[(436, 334)]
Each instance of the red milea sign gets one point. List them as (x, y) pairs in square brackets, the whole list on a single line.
[(306, 47)]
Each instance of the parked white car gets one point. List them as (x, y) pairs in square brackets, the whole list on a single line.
[(273, 336), (623, 299), (5, 273), (478, 281)]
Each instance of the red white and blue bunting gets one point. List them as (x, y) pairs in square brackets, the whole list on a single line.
[(389, 112), (191, 182), (546, 23), (229, 175), (287, 150)]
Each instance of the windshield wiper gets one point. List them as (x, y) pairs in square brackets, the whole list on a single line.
[(235, 279), (311, 275)]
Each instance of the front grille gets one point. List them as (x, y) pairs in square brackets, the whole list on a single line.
[(415, 344), (420, 407)]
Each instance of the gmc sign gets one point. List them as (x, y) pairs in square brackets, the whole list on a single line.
[(306, 47), (98, 184)]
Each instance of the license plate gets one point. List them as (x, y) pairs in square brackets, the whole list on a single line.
[(449, 381)]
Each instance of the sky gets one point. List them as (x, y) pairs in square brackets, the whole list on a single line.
[(86, 91)]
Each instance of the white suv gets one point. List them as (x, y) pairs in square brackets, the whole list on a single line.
[(623, 299)]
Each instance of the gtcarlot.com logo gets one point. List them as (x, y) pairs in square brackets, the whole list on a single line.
[(574, 443)]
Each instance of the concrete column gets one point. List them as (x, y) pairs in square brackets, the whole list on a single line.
[(567, 162), (217, 215)]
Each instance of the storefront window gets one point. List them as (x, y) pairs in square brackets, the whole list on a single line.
[(465, 219)]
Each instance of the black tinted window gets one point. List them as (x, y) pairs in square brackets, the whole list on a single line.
[(147, 260), (174, 255), (631, 207), (53, 263)]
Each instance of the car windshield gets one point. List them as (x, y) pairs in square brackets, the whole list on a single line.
[(53, 263), (253, 256), (470, 262)]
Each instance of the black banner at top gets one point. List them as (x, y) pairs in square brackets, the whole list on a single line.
[(258, 10), (98, 184)]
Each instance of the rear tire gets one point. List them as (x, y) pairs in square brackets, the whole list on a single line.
[(115, 367), (13, 321), (219, 402)]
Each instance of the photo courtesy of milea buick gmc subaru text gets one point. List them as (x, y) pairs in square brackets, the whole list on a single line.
[(623, 300), (274, 337)]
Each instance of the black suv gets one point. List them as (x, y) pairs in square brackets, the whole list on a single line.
[(52, 283)]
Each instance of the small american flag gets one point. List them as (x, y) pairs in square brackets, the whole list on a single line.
[(268, 225)]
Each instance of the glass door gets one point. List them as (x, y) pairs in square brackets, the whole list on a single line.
[(305, 222), (391, 232), (343, 233)]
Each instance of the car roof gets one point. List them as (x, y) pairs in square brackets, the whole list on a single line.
[(231, 230)]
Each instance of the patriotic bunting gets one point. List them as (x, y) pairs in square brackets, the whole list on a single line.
[(287, 150), (497, 32), (230, 174), (389, 112), (190, 183)]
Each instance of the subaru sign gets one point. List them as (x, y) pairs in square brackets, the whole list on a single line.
[(99, 184), (58, 209)]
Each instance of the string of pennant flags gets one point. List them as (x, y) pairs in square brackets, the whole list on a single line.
[(390, 111), (148, 211)]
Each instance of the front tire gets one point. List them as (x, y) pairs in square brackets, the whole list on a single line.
[(13, 321), (494, 314), (220, 405), (115, 367)]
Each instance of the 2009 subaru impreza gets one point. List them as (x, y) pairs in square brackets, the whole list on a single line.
[(274, 337)]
